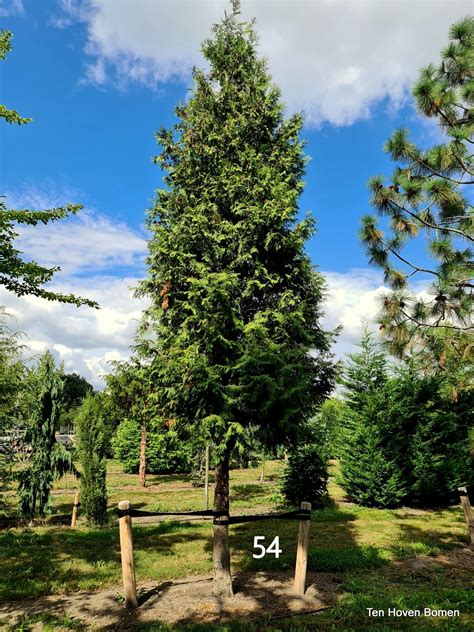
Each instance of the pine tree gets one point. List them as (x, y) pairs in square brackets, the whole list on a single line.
[(428, 435), (430, 197), (92, 444), (49, 459), (235, 300)]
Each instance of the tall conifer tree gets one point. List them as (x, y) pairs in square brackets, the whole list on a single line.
[(235, 301)]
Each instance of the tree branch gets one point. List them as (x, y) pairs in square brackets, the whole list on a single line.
[(428, 224), (416, 268), (420, 324)]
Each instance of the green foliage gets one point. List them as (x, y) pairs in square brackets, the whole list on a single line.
[(364, 373), (326, 427), (305, 477), (165, 452), (75, 390), (92, 450), (198, 466), (370, 473), (235, 301), (16, 275), (404, 440), (12, 374), (126, 393), (10, 116), (429, 197), (49, 459), (430, 436)]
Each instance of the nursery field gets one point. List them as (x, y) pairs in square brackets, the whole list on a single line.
[(381, 559)]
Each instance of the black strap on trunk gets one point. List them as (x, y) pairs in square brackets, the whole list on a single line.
[(298, 514)]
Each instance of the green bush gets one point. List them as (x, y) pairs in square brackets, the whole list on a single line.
[(305, 476), (165, 452)]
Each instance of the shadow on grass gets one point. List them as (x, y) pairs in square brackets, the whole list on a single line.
[(35, 563), (248, 492)]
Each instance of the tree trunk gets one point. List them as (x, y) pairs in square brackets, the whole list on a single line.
[(262, 470), (142, 467), (220, 546)]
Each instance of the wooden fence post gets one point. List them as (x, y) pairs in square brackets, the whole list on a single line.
[(206, 477), (302, 553), (126, 552), (466, 505), (74, 510)]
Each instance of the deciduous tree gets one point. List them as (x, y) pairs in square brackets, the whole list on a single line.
[(17, 275)]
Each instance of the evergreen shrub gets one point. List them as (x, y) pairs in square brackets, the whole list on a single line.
[(408, 444), (92, 444), (305, 476)]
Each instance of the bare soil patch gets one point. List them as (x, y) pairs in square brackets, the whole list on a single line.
[(188, 600)]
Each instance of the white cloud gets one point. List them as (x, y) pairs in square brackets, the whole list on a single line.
[(100, 259), (11, 7), (333, 58), (93, 252), (85, 339), (87, 242), (352, 302)]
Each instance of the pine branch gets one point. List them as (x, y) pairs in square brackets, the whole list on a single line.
[(412, 265), (428, 224), (436, 324)]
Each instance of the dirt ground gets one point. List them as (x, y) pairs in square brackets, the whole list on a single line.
[(187, 600)]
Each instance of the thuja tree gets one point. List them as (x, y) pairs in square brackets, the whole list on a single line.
[(17, 275), (49, 459), (428, 197), (92, 445), (235, 301)]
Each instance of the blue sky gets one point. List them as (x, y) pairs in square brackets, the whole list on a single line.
[(99, 78)]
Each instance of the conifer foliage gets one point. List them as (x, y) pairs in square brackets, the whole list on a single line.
[(404, 441), (370, 475), (235, 301), (49, 459), (92, 445), (429, 197)]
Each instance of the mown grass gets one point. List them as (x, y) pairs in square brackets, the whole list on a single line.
[(368, 549)]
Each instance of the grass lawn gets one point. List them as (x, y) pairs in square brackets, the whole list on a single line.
[(371, 551)]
